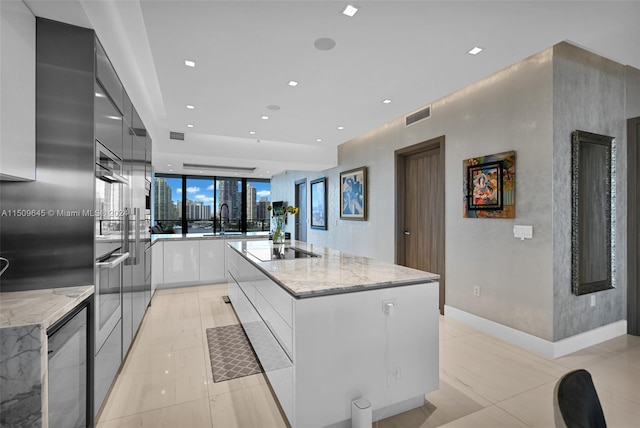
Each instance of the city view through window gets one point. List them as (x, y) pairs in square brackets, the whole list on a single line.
[(211, 204)]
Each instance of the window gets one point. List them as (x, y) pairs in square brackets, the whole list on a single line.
[(199, 205), (258, 199), (184, 204), (167, 211)]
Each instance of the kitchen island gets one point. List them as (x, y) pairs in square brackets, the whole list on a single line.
[(330, 328)]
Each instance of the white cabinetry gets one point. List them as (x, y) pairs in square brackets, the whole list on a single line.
[(18, 88), (181, 261), (320, 353), (212, 267), (157, 265)]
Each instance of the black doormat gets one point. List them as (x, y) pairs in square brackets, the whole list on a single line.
[(231, 353)]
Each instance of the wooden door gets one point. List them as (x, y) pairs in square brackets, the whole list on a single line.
[(301, 203), (420, 210), (633, 227)]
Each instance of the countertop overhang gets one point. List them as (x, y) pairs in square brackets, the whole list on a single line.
[(40, 307), (334, 272)]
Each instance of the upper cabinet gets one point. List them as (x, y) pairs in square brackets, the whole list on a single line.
[(108, 77), (18, 89)]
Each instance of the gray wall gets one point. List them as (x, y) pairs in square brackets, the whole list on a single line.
[(514, 109), (589, 94)]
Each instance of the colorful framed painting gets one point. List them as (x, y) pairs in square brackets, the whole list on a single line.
[(353, 194), (319, 203), (484, 186), (489, 186)]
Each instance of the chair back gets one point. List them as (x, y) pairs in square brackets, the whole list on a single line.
[(576, 402)]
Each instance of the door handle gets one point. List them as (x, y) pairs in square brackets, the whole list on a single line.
[(114, 262), (406, 232)]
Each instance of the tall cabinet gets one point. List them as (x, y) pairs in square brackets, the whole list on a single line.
[(81, 100)]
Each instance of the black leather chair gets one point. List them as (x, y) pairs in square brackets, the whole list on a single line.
[(576, 402)]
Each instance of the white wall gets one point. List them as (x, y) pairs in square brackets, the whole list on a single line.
[(510, 110)]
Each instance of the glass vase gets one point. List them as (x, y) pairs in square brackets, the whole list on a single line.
[(278, 231)]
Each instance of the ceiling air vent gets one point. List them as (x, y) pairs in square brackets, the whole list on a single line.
[(422, 114), (176, 135), (245, 169)]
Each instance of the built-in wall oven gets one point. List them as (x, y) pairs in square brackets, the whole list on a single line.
[(111, 223)]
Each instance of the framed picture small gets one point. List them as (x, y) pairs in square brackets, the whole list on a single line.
[(484, 183), (353, 194), (319, 203)]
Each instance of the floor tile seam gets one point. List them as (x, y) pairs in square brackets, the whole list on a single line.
[(470, 388), (525, 392), (514, 416), (617, 394), (236, 390), (150, 410)]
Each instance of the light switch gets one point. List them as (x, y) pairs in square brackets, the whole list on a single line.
[(523, 232)]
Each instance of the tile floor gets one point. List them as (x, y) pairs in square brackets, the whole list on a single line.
[(484, 382)]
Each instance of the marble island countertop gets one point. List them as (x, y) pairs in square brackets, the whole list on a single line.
[(40, 307), (332, 273)]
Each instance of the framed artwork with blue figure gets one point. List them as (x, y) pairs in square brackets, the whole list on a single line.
[(353, 194), (319, 203)]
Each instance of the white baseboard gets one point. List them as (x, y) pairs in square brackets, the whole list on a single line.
[(535, 344)]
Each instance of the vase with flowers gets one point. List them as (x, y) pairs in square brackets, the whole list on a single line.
[(279, 217)]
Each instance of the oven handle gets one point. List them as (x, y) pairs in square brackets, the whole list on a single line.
[(115, 262)]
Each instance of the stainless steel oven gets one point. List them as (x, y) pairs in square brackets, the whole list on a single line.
[(111, 223)]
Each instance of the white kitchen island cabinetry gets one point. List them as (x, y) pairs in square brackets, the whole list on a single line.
[(332, 329)]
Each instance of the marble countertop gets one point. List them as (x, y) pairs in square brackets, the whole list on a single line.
[(332, 273), (40, 307), (189, 236)]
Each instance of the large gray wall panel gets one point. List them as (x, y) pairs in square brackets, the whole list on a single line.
[(55, 250)]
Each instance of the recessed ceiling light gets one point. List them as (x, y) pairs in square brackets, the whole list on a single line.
[(190, 107), (189, 125), (99, 95), (268, 172), (324, 44), (350, 10), (264, 117), (170, 170), (200, 172), (292, 83), (475, 51), (168, 164), (252, 132), (189, 63), (341, 127), (114, 117), (387, 101), (319, 140)]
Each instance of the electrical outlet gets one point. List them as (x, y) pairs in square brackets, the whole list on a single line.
[(389, 306), (593, 300), (476, 290)]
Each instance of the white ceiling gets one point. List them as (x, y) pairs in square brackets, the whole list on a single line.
[(412, 52)]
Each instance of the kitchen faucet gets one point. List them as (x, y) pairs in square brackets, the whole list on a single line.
[(221, 221)]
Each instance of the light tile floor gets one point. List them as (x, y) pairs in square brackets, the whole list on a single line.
[(484, 382)]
